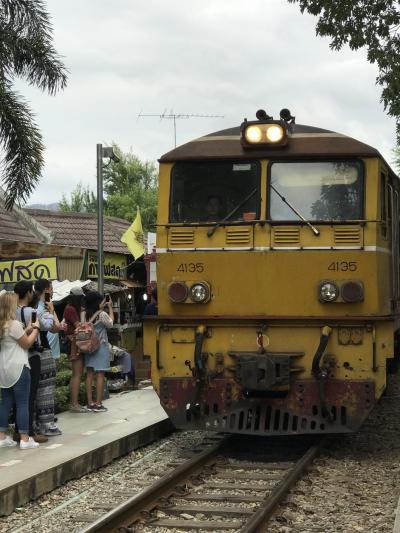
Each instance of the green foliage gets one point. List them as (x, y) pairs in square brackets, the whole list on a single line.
[(63, 377), (396, 159), (129, 172), (82, 200), (26, 51), (61, 397), (128, 184), (370, 24), (124, 205), (63, 363)]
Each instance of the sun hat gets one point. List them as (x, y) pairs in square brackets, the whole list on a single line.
[(77, 291)]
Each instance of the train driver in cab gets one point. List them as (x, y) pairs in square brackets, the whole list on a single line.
[(213, 209)]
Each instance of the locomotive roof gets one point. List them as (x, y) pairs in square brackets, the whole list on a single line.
[(304, 142)]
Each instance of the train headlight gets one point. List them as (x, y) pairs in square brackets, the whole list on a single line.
[(274, 133), (253, 134), (262, 134), (328, 291), (178, 291), (352, 291), (199, 293)]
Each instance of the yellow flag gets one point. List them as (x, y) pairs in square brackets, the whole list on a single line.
[(133, 237)]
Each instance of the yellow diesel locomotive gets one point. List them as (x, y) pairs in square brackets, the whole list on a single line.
[(278, 280)]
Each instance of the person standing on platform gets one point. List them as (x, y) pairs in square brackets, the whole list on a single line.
[(47, 383), (24, 291), (100, 313), (152, 307), (72, 318), (15, 376), (53, 336)]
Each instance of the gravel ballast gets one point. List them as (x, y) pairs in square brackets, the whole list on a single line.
[(87, 498), (354, 485)]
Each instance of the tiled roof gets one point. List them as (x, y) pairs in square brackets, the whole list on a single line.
[(12, 228), (80, 229)]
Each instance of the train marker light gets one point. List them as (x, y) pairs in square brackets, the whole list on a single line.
[(352, 292), (328, 291), (178, 291)]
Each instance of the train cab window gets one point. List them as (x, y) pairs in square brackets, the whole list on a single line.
[(319, 190), (209, 191), (384, 210)]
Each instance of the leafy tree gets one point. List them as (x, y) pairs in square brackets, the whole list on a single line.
[(370, 24), (128, 184), (26, 51), (83, 200), (129, 172), (396, 158), (124, 205)]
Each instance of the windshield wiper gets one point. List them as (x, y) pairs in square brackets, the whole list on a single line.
[(312, 228), (211, 231)]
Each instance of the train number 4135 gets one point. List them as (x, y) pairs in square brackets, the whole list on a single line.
[(190, 267), (343, 266)]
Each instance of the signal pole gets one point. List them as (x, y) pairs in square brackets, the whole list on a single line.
[(176, 116)]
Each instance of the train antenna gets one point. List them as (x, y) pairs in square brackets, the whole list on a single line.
[(176, 116)]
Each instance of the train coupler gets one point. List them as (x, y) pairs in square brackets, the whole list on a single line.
[(263, 372)]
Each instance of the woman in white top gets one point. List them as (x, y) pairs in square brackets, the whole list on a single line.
[(14, 370)]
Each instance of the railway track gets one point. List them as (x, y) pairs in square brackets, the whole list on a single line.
[(229, 484)]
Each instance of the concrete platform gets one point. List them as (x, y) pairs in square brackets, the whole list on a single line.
[(89, 441)]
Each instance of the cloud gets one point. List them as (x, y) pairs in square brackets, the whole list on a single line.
[(219, 58)]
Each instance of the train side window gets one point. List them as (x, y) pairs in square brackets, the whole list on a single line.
[(384, 206), (389, 195)]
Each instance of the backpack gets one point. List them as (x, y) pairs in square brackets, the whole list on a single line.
[(87, 340)]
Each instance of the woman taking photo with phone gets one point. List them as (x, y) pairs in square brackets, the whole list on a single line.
[(72, 318), (100, 313), (14, 370)]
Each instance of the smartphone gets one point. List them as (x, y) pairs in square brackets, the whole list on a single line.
[(34, 316), (47, 297), (107, 298)]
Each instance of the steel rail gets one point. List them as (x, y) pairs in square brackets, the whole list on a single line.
[(257, 522), (123, 515)]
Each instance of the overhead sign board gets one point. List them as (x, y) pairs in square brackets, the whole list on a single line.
[(114, 265), (28, 269)]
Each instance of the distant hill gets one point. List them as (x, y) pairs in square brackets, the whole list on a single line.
[(47, 207)]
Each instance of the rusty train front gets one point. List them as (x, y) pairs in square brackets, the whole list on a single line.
[(278, 280)]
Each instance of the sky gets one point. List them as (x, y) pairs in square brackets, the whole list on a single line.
[(211, 57)]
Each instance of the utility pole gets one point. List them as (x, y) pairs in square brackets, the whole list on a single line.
[(100, 220), (100, 154), (176, 116)]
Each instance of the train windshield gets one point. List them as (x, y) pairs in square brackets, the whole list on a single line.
[(210, 191), (320, 191)]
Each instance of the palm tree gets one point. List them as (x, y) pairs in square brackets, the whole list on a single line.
[(26, 51)]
